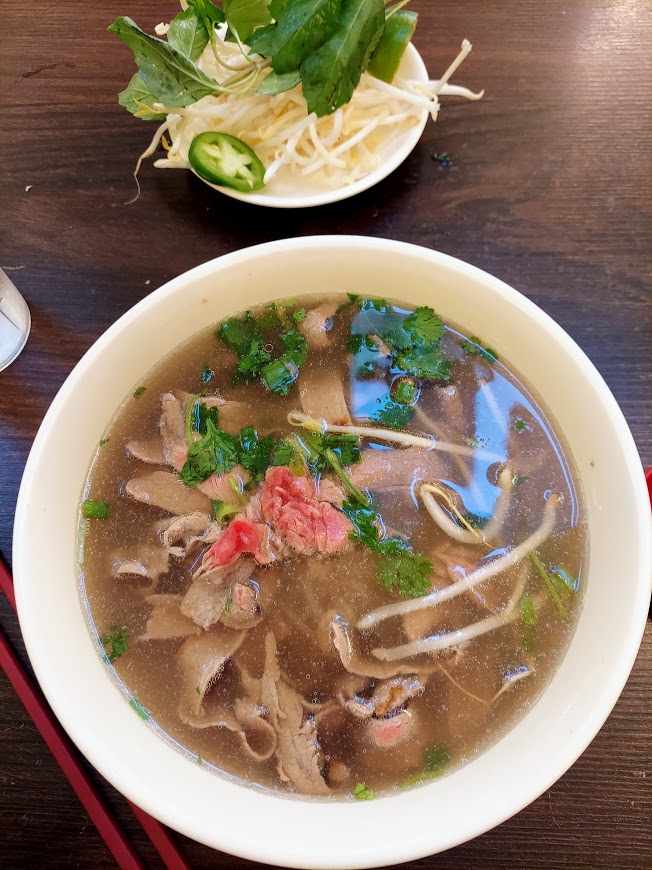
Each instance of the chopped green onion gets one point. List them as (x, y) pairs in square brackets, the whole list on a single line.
[(550, 585), (222, 510), (103, 441), (362, 793), (520, 425), (278, 377), (405, 391), (334, 463), (529, 618), (138, 707), (568, 583), (139, 392), (282, 455), (206, 373), (299, 316), (96, 510)]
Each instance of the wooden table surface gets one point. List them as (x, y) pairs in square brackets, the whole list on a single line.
[(549, 190)]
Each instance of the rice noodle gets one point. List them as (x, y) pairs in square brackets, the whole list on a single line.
[(467, 534), (484, 572), (403, 439), (440, 642), (342, 147)]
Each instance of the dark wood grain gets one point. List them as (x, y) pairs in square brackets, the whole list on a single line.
[(549, 190)]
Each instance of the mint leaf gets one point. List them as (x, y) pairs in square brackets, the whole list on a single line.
[(332, 73)]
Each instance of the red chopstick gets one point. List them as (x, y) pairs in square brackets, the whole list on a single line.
[(62, 750)]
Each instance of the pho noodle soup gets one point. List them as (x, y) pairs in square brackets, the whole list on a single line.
[(332, 546)]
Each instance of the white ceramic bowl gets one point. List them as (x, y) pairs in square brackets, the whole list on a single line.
[(302, 833), (287, 190)]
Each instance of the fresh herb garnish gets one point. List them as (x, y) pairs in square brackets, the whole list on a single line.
[(223, 509), (568, 583), (357, 342), (96, 510), (228, 605), (138, 392), (324, 44), (405, 391), (246, 336), (215, 453), (207, 371), (116, 643), (138, 708), (529, 619), (552, 584), (413, 340), (474, 347), (401, 569), (361, 792), (103, 441), (434, 763), (393, 414), (520, 425), (255, 453), (299, 315)]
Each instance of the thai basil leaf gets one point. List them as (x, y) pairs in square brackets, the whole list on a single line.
[(170, 76), (261, 40), (244, 16), (273, 84), (332, 73), (276, 7), (137, 98), (208, 12), (303, 27), (188, 33)]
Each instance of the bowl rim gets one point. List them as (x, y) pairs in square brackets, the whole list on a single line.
[(372, 855)]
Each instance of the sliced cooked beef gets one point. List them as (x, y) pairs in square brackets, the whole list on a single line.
[(400, 467), (242, 609), (202, 660), (164, 490), (147, 451), (242, 535), (258, 735), (205, 601), (149, 561), (173, 431), (298, 753), (391, 695), (184, 534), (355, 664), (327, 490), (386, 733), (318, 323), (166, 620), (303, 523), (322, 395), (226, 487)]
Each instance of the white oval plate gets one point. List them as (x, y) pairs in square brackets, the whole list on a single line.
[(291, 191)]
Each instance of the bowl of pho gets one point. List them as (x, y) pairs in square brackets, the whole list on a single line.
[(334, 549)]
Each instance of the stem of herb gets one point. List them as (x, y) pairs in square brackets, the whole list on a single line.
[(334, 463), (550, 586)]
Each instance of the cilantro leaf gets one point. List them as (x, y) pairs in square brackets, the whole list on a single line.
[(406, 571), (425, 363), (423, 326), (203, 414), (393, 414), (238, 332), (474, 347), (255, 454), (117, 642), (253, 361), (216, 453)]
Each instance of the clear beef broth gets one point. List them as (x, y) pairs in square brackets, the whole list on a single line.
[(484, 406)]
